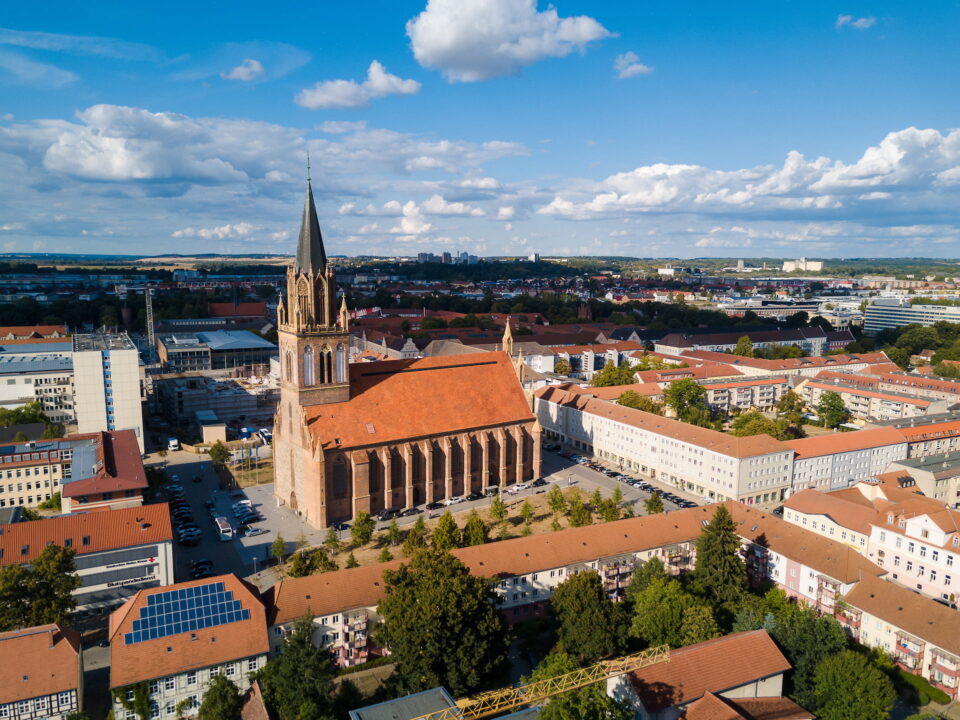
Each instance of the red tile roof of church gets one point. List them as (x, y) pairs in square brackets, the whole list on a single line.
[(400, 400)]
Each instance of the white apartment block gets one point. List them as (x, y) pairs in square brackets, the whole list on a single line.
[(892, 312), (107, 384), (45, 377), (867, 404), (831, 462), (712, 464)]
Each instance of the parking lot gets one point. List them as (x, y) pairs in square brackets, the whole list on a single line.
[(251, 556)]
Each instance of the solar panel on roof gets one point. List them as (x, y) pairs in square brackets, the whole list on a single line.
[(185, 610)]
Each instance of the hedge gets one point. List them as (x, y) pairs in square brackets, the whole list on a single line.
[(925, 691)]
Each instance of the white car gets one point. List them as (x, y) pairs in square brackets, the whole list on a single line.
[(174, 478), (453, 501)]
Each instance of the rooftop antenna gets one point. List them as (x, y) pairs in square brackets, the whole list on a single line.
[(308, 166)]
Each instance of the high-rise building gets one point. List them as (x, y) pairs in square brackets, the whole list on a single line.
[(107, 384)]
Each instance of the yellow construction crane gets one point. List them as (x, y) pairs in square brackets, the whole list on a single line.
[(531, 693)]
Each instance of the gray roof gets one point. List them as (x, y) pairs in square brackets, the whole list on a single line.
[(233, 340), (406, 708), (310, 252), (24, 364), (38, 348)]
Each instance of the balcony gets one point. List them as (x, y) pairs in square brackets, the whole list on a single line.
[(944, 662)]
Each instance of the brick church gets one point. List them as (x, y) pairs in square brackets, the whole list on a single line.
[(368, 436)]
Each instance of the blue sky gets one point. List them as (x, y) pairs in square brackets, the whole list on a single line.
[(493, 126)]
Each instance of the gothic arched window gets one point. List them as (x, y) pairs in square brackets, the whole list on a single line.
[(288, 358), (303, 297), (339, 477), (341, 364), (308, 374)]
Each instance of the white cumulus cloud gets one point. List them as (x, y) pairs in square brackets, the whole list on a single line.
[(628, 65), (246, 71), (474, 40), (222, 232), (343, 94), (862, 23)]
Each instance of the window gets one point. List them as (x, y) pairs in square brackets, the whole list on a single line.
[(252, 665), (4, 711), (230, 670), (154, 687), (64, 698), (24, 706), (40, 704), (909, 565), (169, 683), (154, 710), (191, 678), (214, 671), (923, 551), (170, 708)]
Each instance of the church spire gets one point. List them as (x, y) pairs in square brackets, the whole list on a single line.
[(310, 253), (508, 338)]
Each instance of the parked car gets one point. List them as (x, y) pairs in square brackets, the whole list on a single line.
[(492, 490), (341, 526), (388, 514), (410, 511), (539, 482), (251, 531), (520, 486), (475, 495), (453, 500), (434, 506)]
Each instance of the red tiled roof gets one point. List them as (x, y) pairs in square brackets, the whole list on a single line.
[(853, 515), (612, 392), (31, 332), (124, 527), (122, 466), (38, 661), (739, 447), (770, 708), (244, 309), (717, 666), (326, 593), (933, 431), (907, 610), (174, 654), (789, 363), (449, 394), (842, 442)]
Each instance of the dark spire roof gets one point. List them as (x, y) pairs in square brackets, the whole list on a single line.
[(310, 252)]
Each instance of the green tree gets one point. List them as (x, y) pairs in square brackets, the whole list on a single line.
[(587, 627), (918, 338), (222, 700), (831, 409), (719, 566), (331, 540), (52, 503), (39, 593), (279, 548), (442, 626), (498, 509), (580, 515), (651, 570), (688, 398), (385, 555), (744, 347), (302, 564), (608, 510), (898, 355), (617, 496), (527, 512), (806, 639), (698, 625), (556, 501), (596, 498), (658, 612), (475, 532), (653, 504), (298, 682), (323, 561), (219, 453), (416, 537), (446, 536), (352, 561), (791, 407), (587, 703), (849, 687), (756, 423), (635, 400), (393, 533), (614, 375), (20, 437), (562, 367), (362, 529)]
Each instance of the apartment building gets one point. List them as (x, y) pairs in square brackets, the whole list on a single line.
[(712, 464), (831, 462), (919, 386), (811, 340), (922, 636), (761, 393), (886, 313), (343, 603), (931, 435), (41, 677), (937, 476), (805, 366), (95, 471), (40, 373), (117, 552), (107, 384), (868, 404), (176, 639)]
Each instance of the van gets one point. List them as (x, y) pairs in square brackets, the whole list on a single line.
[(173, 444)]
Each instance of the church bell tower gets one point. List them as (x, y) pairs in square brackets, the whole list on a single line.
[(313, 335)]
